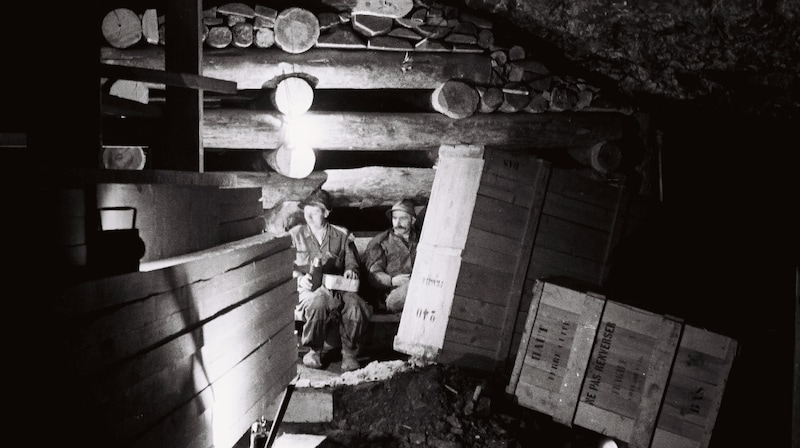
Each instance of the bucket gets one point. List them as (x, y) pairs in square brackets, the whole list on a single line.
[(295, 161), (115, 251)]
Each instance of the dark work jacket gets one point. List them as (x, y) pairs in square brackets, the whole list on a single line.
[(388, 255), (337, 250)]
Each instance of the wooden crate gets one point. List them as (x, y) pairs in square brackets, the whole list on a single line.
[(627, 373), (695, 389), (429, 301), (641, 378), (554, 350)]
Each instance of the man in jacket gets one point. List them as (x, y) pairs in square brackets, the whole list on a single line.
[(321, 309), (390, 255)]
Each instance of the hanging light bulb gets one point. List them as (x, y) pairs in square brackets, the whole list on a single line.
[(295, 158), (607, 443), (292, 96)]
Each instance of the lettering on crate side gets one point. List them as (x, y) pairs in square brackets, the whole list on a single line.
[(513, 164), (427, 281), (698, 395), (538, 343), (556, 362), (637, 378), (596, 375), (619, 376)]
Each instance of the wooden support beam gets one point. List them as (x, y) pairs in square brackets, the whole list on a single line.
[(187, 80), (184, 107), (115, 106), (330, 68), (250, 129)]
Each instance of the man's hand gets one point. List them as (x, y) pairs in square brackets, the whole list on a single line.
[(399, 280), (304, 282), (351, 274)]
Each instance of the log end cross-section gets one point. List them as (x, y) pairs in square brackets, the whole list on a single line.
[(296, 30)]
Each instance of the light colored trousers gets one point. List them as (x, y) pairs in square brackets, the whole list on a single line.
[(336, 319)]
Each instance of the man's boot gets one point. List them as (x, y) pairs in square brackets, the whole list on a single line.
[(312, 359), (349, 361)]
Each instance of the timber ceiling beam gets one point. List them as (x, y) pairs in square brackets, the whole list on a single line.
[(249, 129), (187, 80), (325, 68)]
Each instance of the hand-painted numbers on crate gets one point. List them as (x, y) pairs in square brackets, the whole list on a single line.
[(428, 302), (426, 315)]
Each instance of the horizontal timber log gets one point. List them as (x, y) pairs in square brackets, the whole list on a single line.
[(248, 129), (329, 68), (378, 186)]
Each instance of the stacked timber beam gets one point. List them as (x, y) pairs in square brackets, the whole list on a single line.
[(430, 44), (466, 86)]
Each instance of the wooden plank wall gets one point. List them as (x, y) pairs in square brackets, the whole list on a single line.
[(171, 219), (188, 355)]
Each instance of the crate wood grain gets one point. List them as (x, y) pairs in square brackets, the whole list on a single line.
[(478, 312), (695, 389), (572, 238), (579, 212), (554, 351), (626, 377), (496, 255), (452, 200), (437, 267), (581, 188), (429, 301), (552, 263)]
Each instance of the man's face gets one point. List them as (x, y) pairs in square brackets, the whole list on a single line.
[(315, 216), (401, 223)]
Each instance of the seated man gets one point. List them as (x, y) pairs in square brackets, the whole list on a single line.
[(390, 256), (321, 309)]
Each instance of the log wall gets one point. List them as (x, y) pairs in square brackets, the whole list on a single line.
[(186, 355)]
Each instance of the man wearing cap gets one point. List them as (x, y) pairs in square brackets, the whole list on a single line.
[(390, 255), (325, 311)]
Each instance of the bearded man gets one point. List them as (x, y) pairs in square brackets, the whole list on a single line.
[(390, 256)]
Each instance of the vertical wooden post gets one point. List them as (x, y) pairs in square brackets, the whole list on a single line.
[(62, 118), (615, 232), (184, 106)]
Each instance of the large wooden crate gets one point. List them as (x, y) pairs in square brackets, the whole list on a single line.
[(555, 349), (627, 373), (641, 378), (695, 389)]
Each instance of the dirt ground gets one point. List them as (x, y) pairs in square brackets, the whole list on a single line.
[(433, 405)]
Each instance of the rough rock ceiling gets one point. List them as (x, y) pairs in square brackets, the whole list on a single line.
[(739, 54)]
